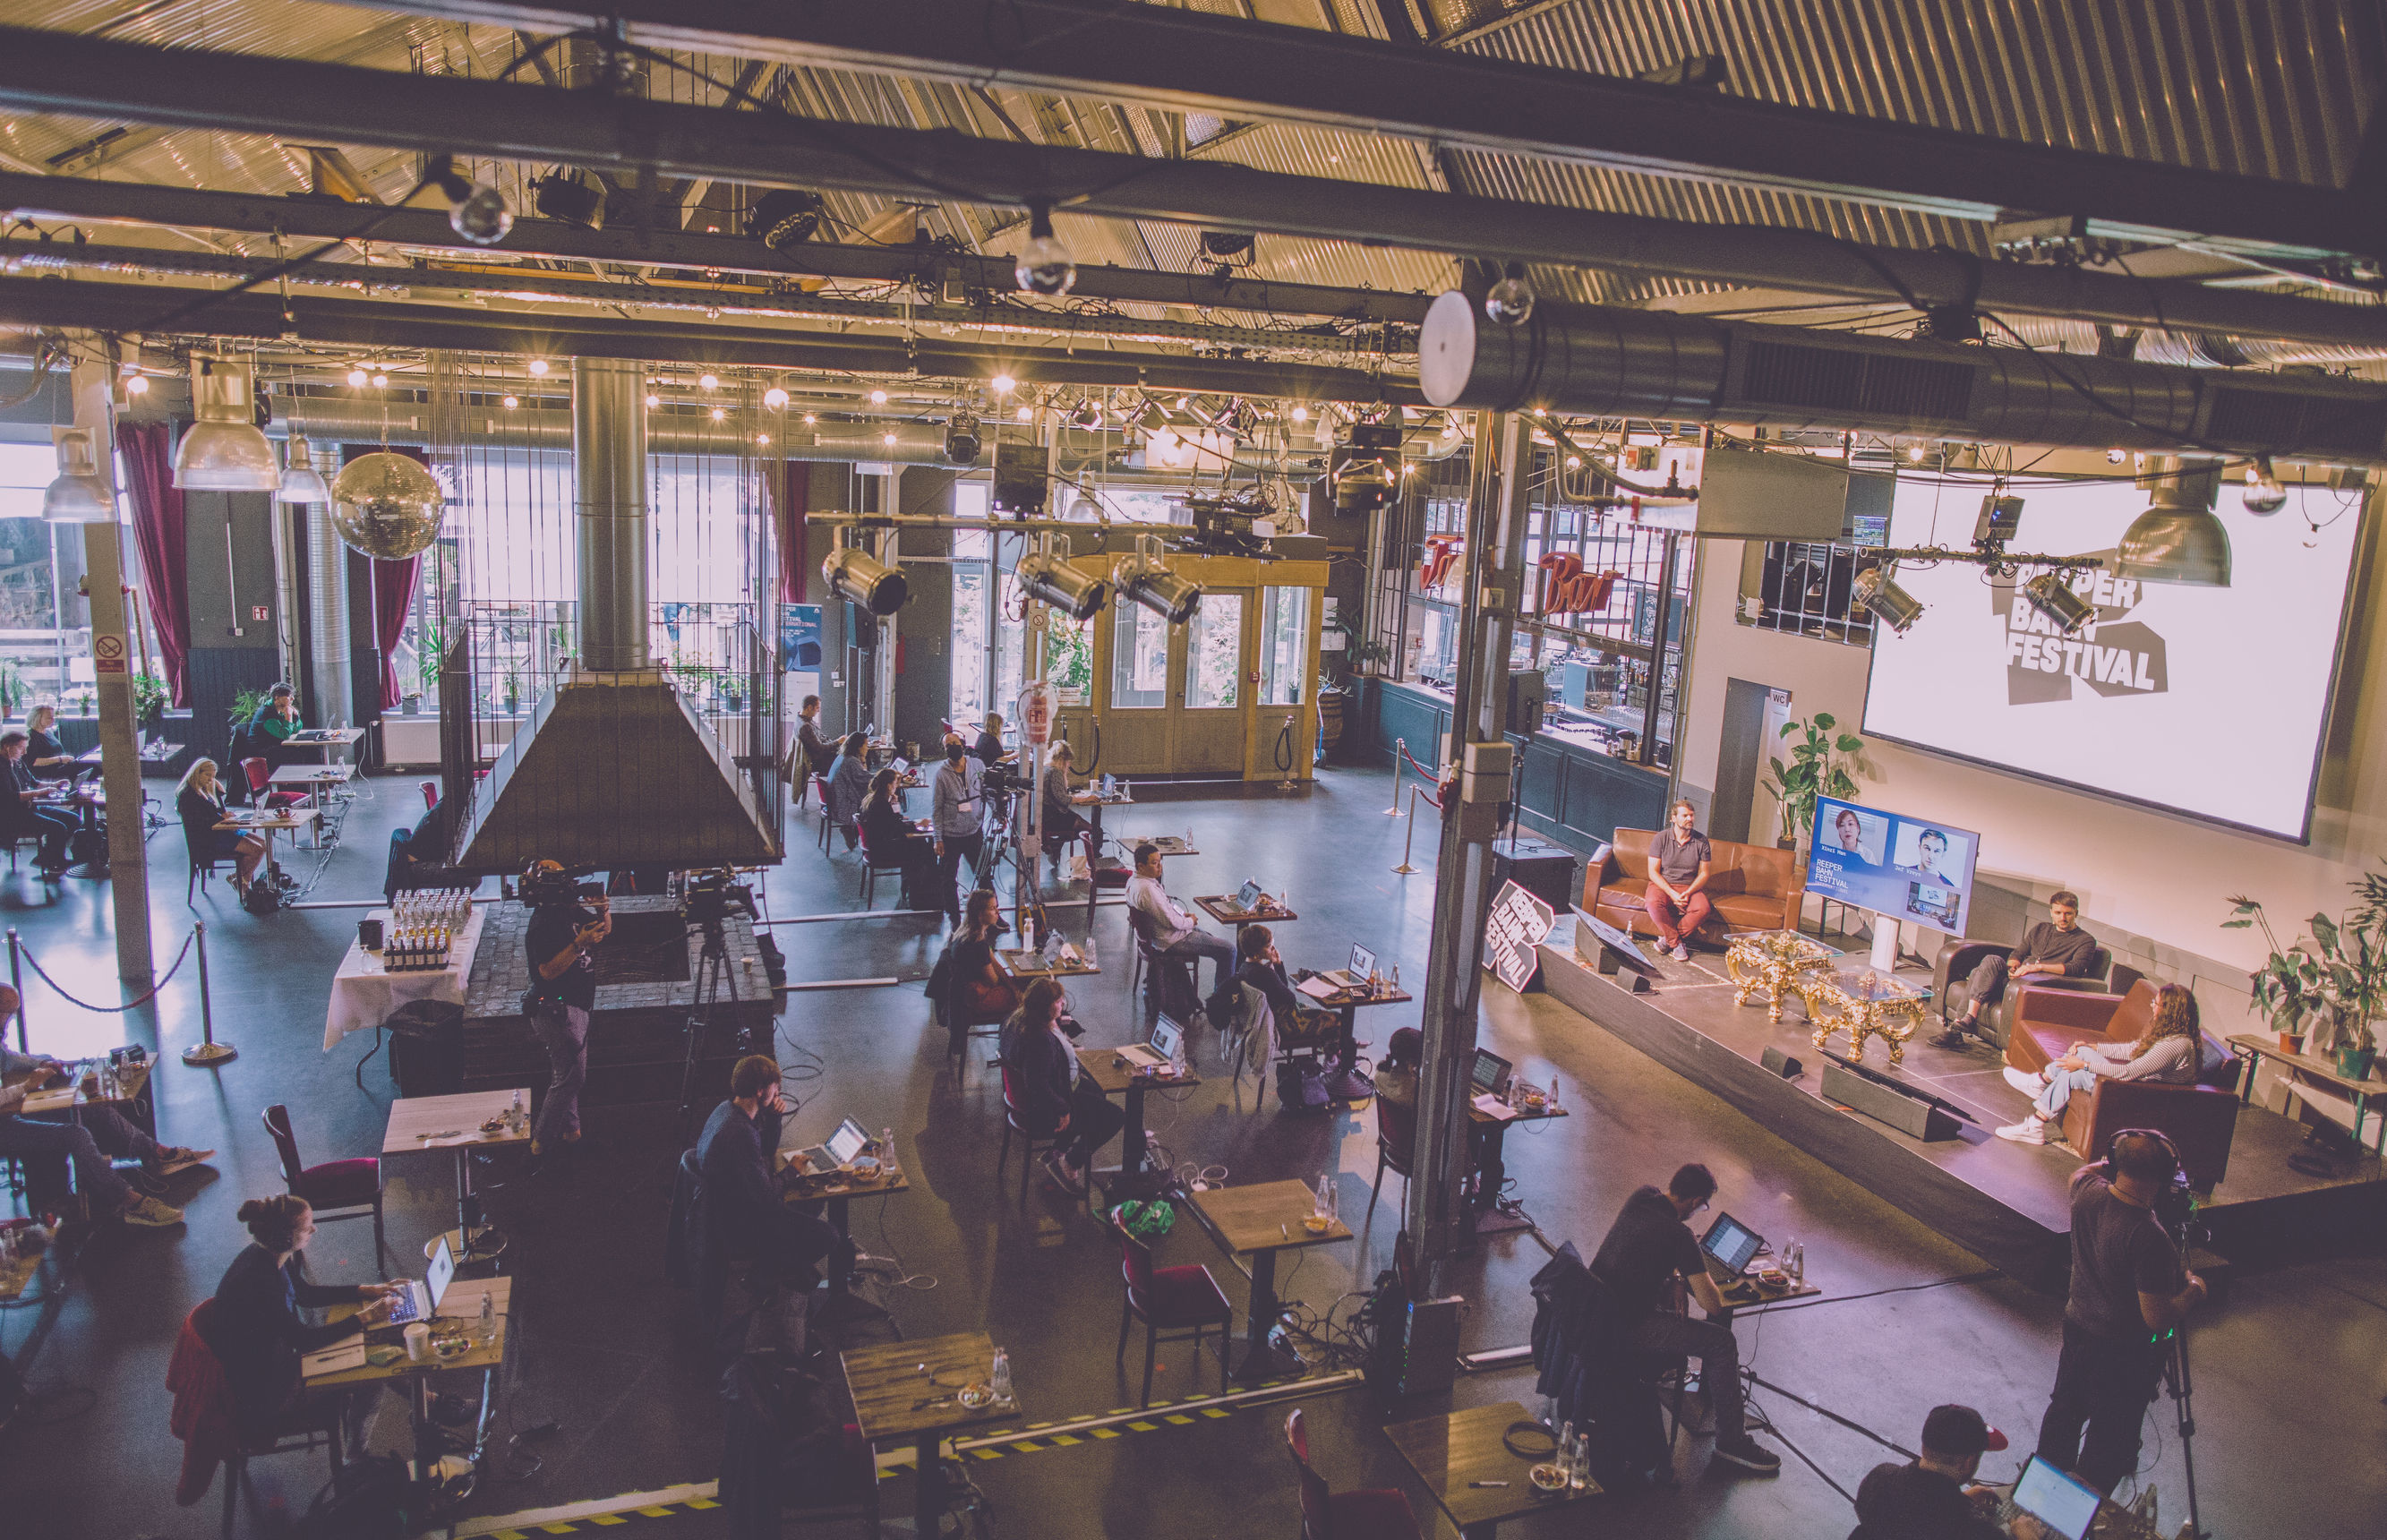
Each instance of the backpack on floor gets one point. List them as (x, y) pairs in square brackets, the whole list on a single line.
[(369, 1499), (1302, 1084)]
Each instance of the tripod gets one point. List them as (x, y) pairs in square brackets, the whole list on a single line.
[(2178, 1386), (713, 976)]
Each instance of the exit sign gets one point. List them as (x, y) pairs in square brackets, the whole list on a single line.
[(257, 611)]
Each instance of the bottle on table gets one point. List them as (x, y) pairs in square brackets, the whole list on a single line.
[(1579, 1469), (1000, 1378), (484, 1331), (887, 1152)]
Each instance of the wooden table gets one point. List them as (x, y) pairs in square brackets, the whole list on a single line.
[(1449, 1454), (1346, 1005), (1257, 1221), (1492, 1169), (326, 739), (1223, 908), (1747, 1297), (463, 1303), (269, 823), (314, 779), (888, 1388), (1094, 801), (1168, 845), (132, 1098), (412, 1119), (2254, 1047), (838, 1190), (1116, 1076), (1025, 967)]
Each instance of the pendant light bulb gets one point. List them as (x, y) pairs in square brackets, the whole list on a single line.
[(1045, 265), (2265, 493), (1511, 299), (301, 483)]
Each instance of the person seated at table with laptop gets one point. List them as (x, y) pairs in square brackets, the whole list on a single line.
[(744, 1200), (44, 755), (809, 755), (888, 840), (989, 749), (274, 722), (1646, 1251), (2057, 945), (1928, 1499), (2169, 1052), (1676, 897), (200, 802), (1176, 933), (1396, 1100), (1061, 822), (1055, 1098), (25, 815), (977, 986), (88, 1136), (256, 1333)]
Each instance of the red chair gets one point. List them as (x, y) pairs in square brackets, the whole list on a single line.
[(430, 794), (335, 1190), (203, 1418), (260, 776), (1374, 1513), (1170, 1299)]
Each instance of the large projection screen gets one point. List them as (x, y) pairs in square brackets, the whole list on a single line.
[(2207, 702)]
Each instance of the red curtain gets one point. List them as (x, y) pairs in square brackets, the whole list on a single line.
[(148, 452), (794, 481), (393, 589)]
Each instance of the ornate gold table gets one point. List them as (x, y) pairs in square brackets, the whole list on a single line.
[(1864, 1003), (1775, 963)]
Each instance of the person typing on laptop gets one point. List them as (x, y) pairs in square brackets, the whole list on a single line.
[(744, 1199), (1929, 1498), (1175, 931), (1648, 1248), (1055, 1097), (256, 1333)]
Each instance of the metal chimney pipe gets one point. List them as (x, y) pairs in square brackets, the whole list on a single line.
[(609, 468)]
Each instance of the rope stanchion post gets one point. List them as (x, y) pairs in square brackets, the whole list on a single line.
[(17, 982), (205, 1053), (1410, 838), (1401, 753)]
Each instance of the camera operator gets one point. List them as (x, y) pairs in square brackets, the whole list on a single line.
[(955, 820), (2128, 1290), (562, 988)]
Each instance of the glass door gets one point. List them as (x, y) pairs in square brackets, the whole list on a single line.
[(1209, 731)]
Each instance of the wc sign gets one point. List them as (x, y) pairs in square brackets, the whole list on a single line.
[(108, 652)]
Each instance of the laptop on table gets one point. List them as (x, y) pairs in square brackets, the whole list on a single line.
[(2064, 1503), (1156, 1050), (834, 1153), (1247, 897), (1728, 1247), (1363, 963), (421, 1299)]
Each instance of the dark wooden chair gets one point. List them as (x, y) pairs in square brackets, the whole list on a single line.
[(1184, 1300), (1372, 1513), (335, 1190)]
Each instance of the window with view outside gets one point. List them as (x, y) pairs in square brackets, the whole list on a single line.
[(1214, 652), (1138, 658), (38, 660), (973, 625), (1068, 658), (1284, 646)]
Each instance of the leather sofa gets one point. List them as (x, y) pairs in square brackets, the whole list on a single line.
[(1952, 989), (1753, 887), (2199, 1119)]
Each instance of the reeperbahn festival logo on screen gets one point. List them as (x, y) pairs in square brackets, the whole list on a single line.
[(2112, 654)]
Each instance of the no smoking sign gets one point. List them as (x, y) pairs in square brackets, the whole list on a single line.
[(108, 652)]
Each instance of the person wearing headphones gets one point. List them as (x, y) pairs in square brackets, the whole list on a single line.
[(2128, 1290)]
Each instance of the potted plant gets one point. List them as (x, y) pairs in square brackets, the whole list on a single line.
[(2331, 985), (245, 703), (513, 691), (2287, 988), (427, 674), (1812, 772), (13, 688), (149, 698)]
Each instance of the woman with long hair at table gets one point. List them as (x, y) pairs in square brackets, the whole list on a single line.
[(200, 802)]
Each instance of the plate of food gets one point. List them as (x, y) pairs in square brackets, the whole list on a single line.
[(1548, 1476), (976, 1397)]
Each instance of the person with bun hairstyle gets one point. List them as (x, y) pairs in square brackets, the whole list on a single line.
[(1056, 1099), (255, 1332)]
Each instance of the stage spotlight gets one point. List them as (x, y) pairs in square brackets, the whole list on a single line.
[(962, 439), (1891, 604), (477, 213), (1088, 415), (861, 579), (1045, 265), (1049, 580), (783, 216), (2179, 540), (2265, 495), (2065, 609), (1511, 299), (1171, 596), (571, 196)]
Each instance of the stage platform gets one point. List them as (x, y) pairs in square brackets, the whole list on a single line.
[(2006, 1203)]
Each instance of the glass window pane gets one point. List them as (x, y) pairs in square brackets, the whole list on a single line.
[(1008, 635), (1214, 652), (968, 692), (1138, 659), (1284, 645), (1068, 658)]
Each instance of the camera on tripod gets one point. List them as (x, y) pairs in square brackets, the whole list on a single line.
[(1002, 780), (712, 897), (543, 887)]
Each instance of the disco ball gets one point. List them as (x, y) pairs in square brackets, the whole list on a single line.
[(387, 506)]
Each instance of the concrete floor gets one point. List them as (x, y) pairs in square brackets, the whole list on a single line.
[(2288, 1367)]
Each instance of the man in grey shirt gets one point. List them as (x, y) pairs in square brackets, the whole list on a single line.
[(1676, 897), (955, 820), (2058, 947)]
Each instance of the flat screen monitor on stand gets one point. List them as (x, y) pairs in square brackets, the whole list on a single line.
[(1903, 869)]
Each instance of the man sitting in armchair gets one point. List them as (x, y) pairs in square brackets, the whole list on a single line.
[(2059, 946)]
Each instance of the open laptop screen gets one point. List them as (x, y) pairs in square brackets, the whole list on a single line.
[(1731, 1243), (1490, 1069), (1248, 894), (1363, 962), (443, 1270), (848, 1142), (1165, 1035), (2062, 1503)]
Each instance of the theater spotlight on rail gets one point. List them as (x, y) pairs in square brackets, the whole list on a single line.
[(861, 578), (1892, 605), (2060, 603), (1051, 580), (1147, 578)]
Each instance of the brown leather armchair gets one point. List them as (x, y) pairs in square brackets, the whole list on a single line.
[(1753, 887), (1952, 989), (2200, 1120)]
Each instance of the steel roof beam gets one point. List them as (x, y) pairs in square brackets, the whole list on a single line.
[(318, 103), (1190, 60)]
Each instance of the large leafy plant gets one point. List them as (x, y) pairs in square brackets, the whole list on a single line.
[(2332, 983), (1813, 772)]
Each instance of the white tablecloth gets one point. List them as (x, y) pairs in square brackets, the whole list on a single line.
[(364, 994)]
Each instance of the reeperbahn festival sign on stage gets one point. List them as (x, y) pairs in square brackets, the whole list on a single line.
[(1514, 933)]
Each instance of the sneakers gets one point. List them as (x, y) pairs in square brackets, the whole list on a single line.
[(171, 1158), (1750, 1454), (149, 1213), (1682, 954), (2030, 1130), (1068, 1177), (2028, 1084)]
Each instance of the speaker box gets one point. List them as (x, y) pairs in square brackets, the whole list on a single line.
[(1781, 1064), (1909, 1114)]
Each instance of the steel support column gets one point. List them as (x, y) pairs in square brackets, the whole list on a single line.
[(1437, 1220)]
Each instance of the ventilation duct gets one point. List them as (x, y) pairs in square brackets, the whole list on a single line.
[(330, 672), (613, 769), (1613, 362)]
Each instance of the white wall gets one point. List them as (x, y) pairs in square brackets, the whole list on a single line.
[(2163, 877)]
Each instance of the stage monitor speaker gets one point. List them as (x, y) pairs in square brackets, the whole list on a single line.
[(1908, 1113), (1781, 1064)]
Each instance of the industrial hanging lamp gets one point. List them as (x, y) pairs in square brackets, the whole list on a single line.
[(301, 481), (225, 450), (80, 495), (2179, 540)]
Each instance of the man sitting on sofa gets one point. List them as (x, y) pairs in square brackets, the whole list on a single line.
[(2059, 947), (1677, 899)]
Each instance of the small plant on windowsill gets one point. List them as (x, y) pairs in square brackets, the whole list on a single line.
[(149, 698)]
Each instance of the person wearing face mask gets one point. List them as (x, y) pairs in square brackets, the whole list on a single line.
[(955, 820)]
